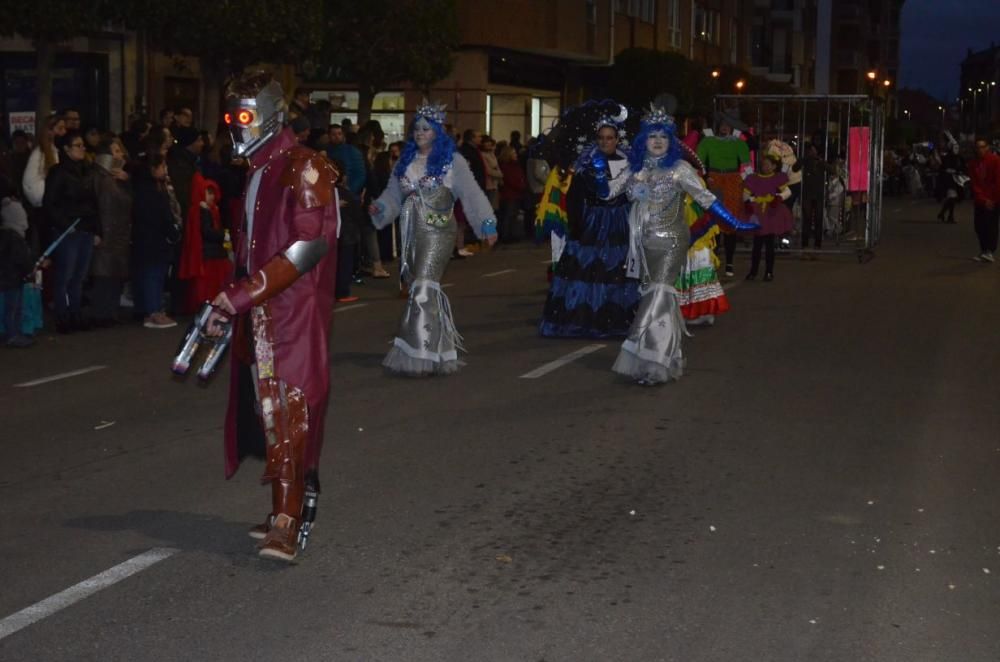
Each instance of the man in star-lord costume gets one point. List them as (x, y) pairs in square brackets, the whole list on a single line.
[(281, 305)]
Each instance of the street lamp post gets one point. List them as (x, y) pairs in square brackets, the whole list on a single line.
[(989, 104), (974, 118)]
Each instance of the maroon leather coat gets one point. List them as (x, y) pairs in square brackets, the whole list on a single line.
[(295, 201)]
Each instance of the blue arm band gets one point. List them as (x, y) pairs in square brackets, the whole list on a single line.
[(723, 214)]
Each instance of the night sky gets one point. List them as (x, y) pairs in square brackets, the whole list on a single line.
[(936, 36)]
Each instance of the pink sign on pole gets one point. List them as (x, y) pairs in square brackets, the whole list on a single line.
[(858, 158)]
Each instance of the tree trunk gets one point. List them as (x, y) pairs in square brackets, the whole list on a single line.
[(46, 54), (213, 76), (366, 97)]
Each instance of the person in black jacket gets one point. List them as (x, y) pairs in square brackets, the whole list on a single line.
[(951, 183), (351, 217), (155, 232), (70, 195)]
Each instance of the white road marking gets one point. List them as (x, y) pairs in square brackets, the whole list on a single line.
[(560, 362), (499, 273), (545, 262), (340, 309), (62, 375), (84, 589)]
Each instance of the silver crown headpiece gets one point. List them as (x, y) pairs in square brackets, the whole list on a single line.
[(431, 111), (657, 115)]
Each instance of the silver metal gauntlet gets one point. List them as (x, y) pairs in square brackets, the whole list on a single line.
[(304, 255)]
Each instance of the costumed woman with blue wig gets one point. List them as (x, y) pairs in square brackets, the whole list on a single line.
[(659, 239), (590, 297), (429, 177)]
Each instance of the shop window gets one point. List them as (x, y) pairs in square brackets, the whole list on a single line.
[(387, 109), (706, 24), (674, 22)]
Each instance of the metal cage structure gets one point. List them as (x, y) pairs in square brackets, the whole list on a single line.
[(839, 126)]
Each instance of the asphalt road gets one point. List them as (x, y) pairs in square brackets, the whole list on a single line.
[(822, 484)]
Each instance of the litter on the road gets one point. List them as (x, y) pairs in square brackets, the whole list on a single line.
[(880, 567), (986, 570), (104, 424), (504, 558), (711, 528)]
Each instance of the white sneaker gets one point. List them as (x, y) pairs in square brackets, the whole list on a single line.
[(464, 252), (987, 257)]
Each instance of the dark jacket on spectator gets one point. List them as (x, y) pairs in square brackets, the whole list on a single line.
[(514, 182), (181, 165), (69, 195), (154, 231), (354, 164), (114, 209), (471, 154), (213, 241), (351, 217)]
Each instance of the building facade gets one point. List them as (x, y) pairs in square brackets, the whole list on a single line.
[(978, 96), (863, 37), (520, 62)]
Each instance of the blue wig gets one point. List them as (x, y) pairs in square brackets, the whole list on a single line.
[(637, 154), (442, 151)]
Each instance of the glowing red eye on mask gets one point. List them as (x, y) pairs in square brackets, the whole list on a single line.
[(245, 117), (228, 118)]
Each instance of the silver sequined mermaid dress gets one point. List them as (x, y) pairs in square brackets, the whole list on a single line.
[(651, 353), (427, 342)]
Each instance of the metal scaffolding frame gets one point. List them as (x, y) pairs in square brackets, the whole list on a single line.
[(827, 118)]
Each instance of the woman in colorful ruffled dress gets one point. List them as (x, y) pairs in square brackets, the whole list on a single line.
[(701, 295), (425, 184), (659, 179), (590, 295)]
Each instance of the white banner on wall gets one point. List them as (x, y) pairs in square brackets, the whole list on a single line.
[(24, 121)]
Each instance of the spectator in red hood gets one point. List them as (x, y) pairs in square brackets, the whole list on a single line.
[(205, 257)]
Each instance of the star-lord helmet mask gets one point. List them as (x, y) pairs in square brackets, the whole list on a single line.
[(255, 112)]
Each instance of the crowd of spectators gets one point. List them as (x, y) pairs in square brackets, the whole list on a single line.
[(113, 210), (142, 221)]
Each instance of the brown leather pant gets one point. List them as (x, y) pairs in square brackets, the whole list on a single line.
[(285, 420)]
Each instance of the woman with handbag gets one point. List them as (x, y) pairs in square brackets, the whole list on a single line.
[(155, 230)]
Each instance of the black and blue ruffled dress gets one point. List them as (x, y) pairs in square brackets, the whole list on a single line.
[(590, 296)]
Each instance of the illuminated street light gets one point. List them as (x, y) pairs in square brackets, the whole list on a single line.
[(872, 75), (886, 82), (739, 85), (715, 73)]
